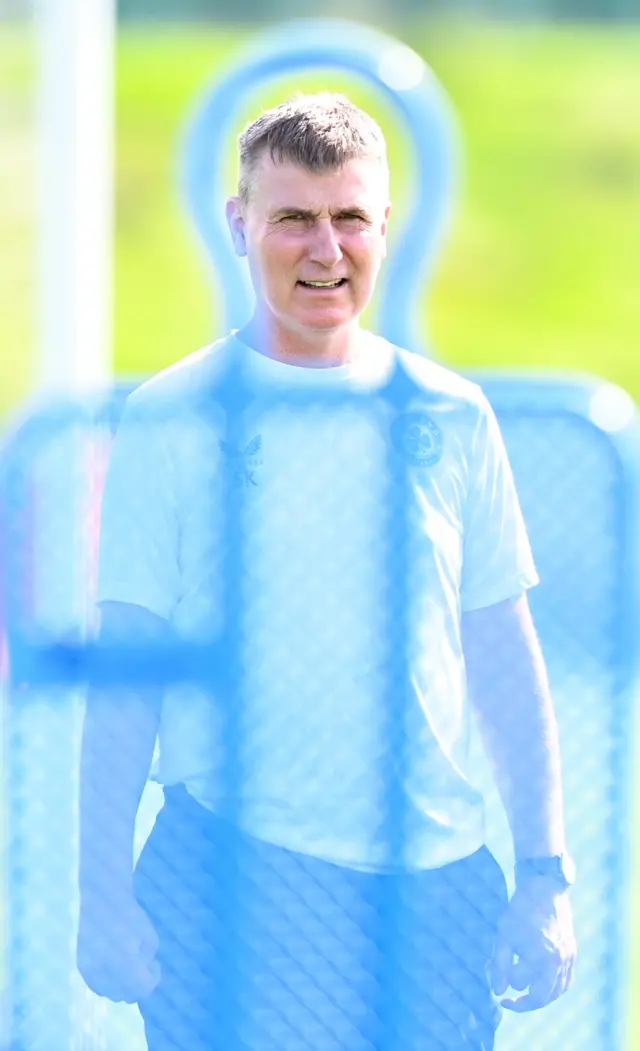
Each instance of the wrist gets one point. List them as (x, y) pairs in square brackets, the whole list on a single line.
[(541, 891), (553, 873)]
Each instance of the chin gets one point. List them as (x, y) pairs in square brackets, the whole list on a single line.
[(328, 321)]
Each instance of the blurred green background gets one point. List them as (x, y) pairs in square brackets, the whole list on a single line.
[(542, 268)]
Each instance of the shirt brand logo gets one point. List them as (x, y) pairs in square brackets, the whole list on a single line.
[(243, 463), (418, 438)]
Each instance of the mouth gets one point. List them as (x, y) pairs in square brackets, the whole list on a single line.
[(323, 286)]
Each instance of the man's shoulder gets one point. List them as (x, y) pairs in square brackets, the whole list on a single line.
[(440, 385), (183, 384)]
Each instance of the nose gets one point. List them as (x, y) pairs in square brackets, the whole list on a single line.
[(325, 247)]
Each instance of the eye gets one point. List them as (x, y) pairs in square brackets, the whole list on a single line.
[(352, 219)]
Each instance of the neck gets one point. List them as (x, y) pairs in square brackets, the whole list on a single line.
[(306, 349)]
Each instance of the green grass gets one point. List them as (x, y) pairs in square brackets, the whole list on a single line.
[(16, 218), (543, 261)]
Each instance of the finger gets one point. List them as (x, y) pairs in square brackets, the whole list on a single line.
[(559, 986), (154, 974), (126, 982), (567, 976), (112, 989), (146, 954), (144, 978), (149, 943), (500, 967), (521, 975), (132, 991), (100, 978), (541, 992)]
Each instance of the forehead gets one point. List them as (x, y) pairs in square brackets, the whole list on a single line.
[(285, 184)]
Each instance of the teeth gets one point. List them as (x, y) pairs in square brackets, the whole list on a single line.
[(323, 284)]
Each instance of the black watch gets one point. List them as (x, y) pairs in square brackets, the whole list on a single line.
[(557, 867)]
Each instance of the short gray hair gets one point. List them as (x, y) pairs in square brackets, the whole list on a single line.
[(320, 132)]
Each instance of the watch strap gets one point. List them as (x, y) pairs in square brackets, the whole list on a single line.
[(557, 867)]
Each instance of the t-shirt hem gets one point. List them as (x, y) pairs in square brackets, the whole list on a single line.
[(506, 590), (129, 598), (456, 848)]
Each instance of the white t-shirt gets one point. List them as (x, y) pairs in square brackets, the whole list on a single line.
[(316, 564)]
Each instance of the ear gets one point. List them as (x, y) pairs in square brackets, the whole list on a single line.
[(236, 221), (385, 223)]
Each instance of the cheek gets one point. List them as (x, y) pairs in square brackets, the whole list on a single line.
[(272, 262), (282, 245), (278, 256), (367, 252)]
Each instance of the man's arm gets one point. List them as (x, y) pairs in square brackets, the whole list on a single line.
[(509, 691), (118, 741), (535, 948), (117, 943)]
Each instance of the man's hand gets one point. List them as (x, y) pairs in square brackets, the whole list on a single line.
[(117, 947), (535, 947)]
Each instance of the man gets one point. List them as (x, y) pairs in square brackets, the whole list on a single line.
[(278, 907)]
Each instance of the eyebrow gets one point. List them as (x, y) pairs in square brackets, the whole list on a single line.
[(308, 213)]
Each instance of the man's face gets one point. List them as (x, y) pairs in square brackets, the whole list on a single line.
[(314, 241)]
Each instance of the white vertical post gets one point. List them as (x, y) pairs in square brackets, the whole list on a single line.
[(75, 64), (75, 192)]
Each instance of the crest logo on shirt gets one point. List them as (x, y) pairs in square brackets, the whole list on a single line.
[(418, 438), (243, 462)]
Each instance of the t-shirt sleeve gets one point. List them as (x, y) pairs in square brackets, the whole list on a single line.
[(497, 558), (138, 552)]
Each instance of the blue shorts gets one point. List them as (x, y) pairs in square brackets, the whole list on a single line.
[(262, 949)]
